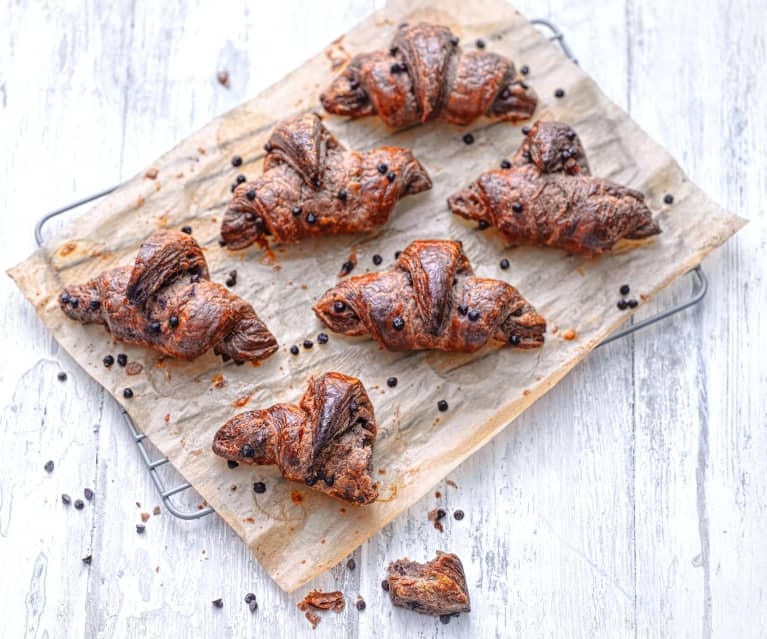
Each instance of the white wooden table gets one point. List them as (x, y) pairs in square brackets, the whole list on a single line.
[(630, 501)]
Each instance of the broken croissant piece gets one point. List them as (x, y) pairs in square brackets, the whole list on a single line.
[(437, 587), (424, 75), (167, 302), (431, 300), (313, 186), (325, 442), (549, 198)]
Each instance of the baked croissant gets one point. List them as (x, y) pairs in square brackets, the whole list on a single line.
[(313, 186), (426, 76), (325, 442), (431, 300), (549, 198), (166, 301), (437, 587)]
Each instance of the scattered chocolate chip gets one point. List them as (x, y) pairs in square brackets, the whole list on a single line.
[(74, 302), (559, 93), (442, 405), (377, 259), (514, 340), (311, 480), (622, 305), (463, 309), (351, 564), (458, 514), (294, 349), (253, 605), (361, 605), (395, 68), (218, 603), (48, 466), (625, 289), (398, 323), (88, 494), (347, 267), (108, 360), (232, 279), (250, 194), (397, 254), (391, 176), (259, 487), (339, 306), (473, 315), (308, 343), (385, 585), (140, 528), (668, 198), (480, 43), (444, 619), (391, 382), (468, 139), (250, 597), (505, 164), (296, 211), (504, 264), (87, 559), (524, 69), (383, 168), (173, 321), (518, 312), (231, 463), (79, 504), (330, 480), (154, 327), (322, 338), (62, 376), (268, 148), (455, 40), (632, 303), (127, 393), (240, 179), (122, 359), (223, 78), (236, 160), (441, 513), (66, 499), (342, 195), (186, 229), (316, 182)]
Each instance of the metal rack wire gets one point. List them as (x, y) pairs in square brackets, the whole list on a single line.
[(700, 288)]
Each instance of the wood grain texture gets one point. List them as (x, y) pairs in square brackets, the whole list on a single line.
[(630, 501)]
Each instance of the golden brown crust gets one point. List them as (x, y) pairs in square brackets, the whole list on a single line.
[(166, 302), (425, 76), (431, 300), (325, 442), (313, 186), (549, 198)]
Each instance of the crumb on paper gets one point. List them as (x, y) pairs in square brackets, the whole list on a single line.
[(296, 497), (133, 368), (167, 417), (200, 150), (139, 202), (569, 334), (218, 381), (337, 54), (223, 78), (69, 247), (152, 173)]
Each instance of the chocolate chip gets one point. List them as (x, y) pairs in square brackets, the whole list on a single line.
[(218, 603), (516, 207), (127, 393), (87, 559), (377, 259), (480, 43), (297, 210), (66, 499), (88, 494), (173, 321), (322, 338), (398, 323), (62, 376), (294, 349), (632, 303), (231, 463), (247, 451), (444, 619), (383, 168), (668, 198), (236, 160), (79, 504), (385, 585), (308, 343), (514, 340), (473, 315), (186, 229), (391, 176), (311, 218), (94, 305), (347, 267), (351, 564), (524, 69), (48, 466), (342, 195), (458, 514), (559, 93), (140, 528), (250, 597), (442, 405), (259, 487), (240, 179), (250, 194), (622, 305), (122, 359), (391, 382), (504, 264), (108, 360), (468, 139), (505, 164), (361, 605), (625, 289)]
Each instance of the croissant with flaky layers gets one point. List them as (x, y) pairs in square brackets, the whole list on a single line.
[(547, 197), (426, 76), (167, 302), (325, 442), (431, 300), (313, 186)]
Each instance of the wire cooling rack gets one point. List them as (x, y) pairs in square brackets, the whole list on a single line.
[(699, 290)]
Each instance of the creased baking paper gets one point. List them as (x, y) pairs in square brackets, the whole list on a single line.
[(294, 532)]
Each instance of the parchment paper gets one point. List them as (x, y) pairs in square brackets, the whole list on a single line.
[(294, 532)]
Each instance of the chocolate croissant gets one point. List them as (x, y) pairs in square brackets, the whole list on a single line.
[(426, 76), (431, 300), (549, 198), (325, 442), (313, 186), (437, 587), (166, 301)]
